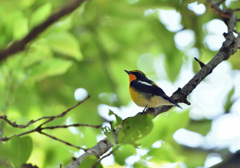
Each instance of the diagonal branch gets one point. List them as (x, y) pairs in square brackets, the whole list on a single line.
[(215, 7), (62, 141), (72, 125), (229, 47), (20, 45)]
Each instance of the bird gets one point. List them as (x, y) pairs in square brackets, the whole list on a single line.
[(146, 93)]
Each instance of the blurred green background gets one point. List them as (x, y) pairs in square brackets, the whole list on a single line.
[(89, 49)]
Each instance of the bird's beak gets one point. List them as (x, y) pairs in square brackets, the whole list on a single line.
[(128, 72)]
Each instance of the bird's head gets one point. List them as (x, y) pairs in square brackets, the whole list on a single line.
[(136, 74)]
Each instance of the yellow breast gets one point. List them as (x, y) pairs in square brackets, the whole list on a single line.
[(144, 99)]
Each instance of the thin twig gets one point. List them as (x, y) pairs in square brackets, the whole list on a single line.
[(39, 128), (18, 135), (99, 160), (236, 10), (72, 125), (219, 3), (65, 112), (14, 124), (200, 62), (20, 45), (67, 143)]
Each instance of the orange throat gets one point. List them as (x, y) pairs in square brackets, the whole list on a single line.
[(131, 77)]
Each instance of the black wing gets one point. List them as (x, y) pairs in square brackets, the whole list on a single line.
[(147, 87), (152, 89)]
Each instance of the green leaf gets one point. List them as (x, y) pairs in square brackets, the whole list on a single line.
[(164, 127), (89, 136), (173, 57), (38, 51), (118, 119), (89, 162), (64, 24), (201, 126), (173, 64), (50, 67), (64, 43), (229, 103), (108, 132), (193, 158), (135, 128), (20, 28), (9, 21), (166, 152), (17, 150), (40, 14), (123, 152), (141, 163)]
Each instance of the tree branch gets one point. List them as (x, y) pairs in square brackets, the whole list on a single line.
[(20, 45), (72, 125), (62, 141), (229, 47), (223, 14), (98, 150)]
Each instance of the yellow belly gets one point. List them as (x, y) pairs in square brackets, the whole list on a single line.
[(144, 100)]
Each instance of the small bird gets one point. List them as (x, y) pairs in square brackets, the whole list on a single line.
[(146, 93)]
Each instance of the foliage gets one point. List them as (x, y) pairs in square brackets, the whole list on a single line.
[(89, 49)]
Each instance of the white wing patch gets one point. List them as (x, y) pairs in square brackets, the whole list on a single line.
[(145, 83)]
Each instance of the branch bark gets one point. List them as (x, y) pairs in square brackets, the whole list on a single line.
[(20, 45), (229, 47), (98, 150)]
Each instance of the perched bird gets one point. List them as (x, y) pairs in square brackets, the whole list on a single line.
[(146, 93)]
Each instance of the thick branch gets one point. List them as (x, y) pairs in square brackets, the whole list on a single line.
[(20, 45), (98, 150), (215, 6), (229, 47)]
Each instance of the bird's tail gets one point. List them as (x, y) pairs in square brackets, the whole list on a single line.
[(175, 103)]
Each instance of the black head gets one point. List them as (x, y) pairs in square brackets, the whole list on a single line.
[(136, 74)]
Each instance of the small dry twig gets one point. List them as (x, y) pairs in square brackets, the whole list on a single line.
[(200, 62), (40, 128), (66, 143), (14, 124), (110, 153)]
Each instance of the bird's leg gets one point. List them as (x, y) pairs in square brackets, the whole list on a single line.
[(145, 108)]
